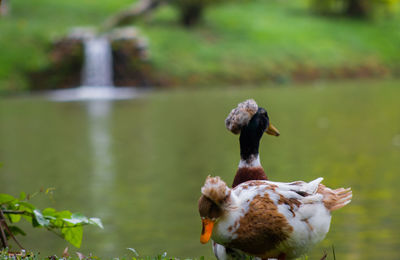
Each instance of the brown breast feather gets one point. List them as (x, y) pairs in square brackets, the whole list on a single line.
[(262, 229), (248, 174)]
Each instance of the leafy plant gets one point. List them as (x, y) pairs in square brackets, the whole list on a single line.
[(158, 257), (6, 255), (65, 224)]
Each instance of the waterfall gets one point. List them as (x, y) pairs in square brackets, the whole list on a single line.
[(98, 66), (97, 75)]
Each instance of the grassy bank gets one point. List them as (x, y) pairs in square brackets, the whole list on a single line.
[(238, 42), (258, 40)]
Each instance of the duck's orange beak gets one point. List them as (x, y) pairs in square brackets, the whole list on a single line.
[(206, 232), (271, 130)]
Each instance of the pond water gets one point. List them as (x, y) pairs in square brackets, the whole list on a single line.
[(139, 164)]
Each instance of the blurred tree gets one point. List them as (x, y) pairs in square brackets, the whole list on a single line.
[(191, 11), (355, 8), (131, 13)]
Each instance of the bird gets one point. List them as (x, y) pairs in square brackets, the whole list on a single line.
[(251, 122), (266, 219)]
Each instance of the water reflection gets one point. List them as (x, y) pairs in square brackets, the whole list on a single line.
[(99, 135), (103, 171)]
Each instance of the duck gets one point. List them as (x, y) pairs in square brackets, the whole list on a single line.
[(251, 122), (266, 219)]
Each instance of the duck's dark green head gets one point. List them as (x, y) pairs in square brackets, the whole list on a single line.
[(250, 134), (260, 124), (251, 122)]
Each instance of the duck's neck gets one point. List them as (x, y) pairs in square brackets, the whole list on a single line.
[(249, 166), (249, 146), (250, 162)]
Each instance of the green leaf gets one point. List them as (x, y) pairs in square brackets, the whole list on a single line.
[(59, 221), (22, 195), (63, 214), (27, 206), (49, 212), (28, 218), (97, 222), (5, 198), (28, 211), (73, 235), (15, 217), (77, 218), (41, 220)]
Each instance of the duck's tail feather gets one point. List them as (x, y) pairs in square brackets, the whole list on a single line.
[(312, 186), (335, 199)]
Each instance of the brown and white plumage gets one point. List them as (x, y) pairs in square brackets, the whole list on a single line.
[(269, 219)]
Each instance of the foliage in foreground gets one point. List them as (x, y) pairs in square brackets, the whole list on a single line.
[(65, 224), (5, 255)]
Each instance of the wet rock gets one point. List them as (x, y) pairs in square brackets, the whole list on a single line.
[(64, 68), (131, 66)]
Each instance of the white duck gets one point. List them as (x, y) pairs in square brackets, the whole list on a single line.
[(268, 219)]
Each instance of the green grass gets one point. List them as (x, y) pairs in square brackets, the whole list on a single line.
[(238, 42), (255, 40)]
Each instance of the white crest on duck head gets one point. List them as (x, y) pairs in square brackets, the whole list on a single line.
[(215, 189), (241, 116)]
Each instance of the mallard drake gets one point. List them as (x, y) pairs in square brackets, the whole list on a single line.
[(251, 122), (268, 219)]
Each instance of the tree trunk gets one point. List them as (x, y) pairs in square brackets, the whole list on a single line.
[(191, 14), (130, 14), (357, 8)]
